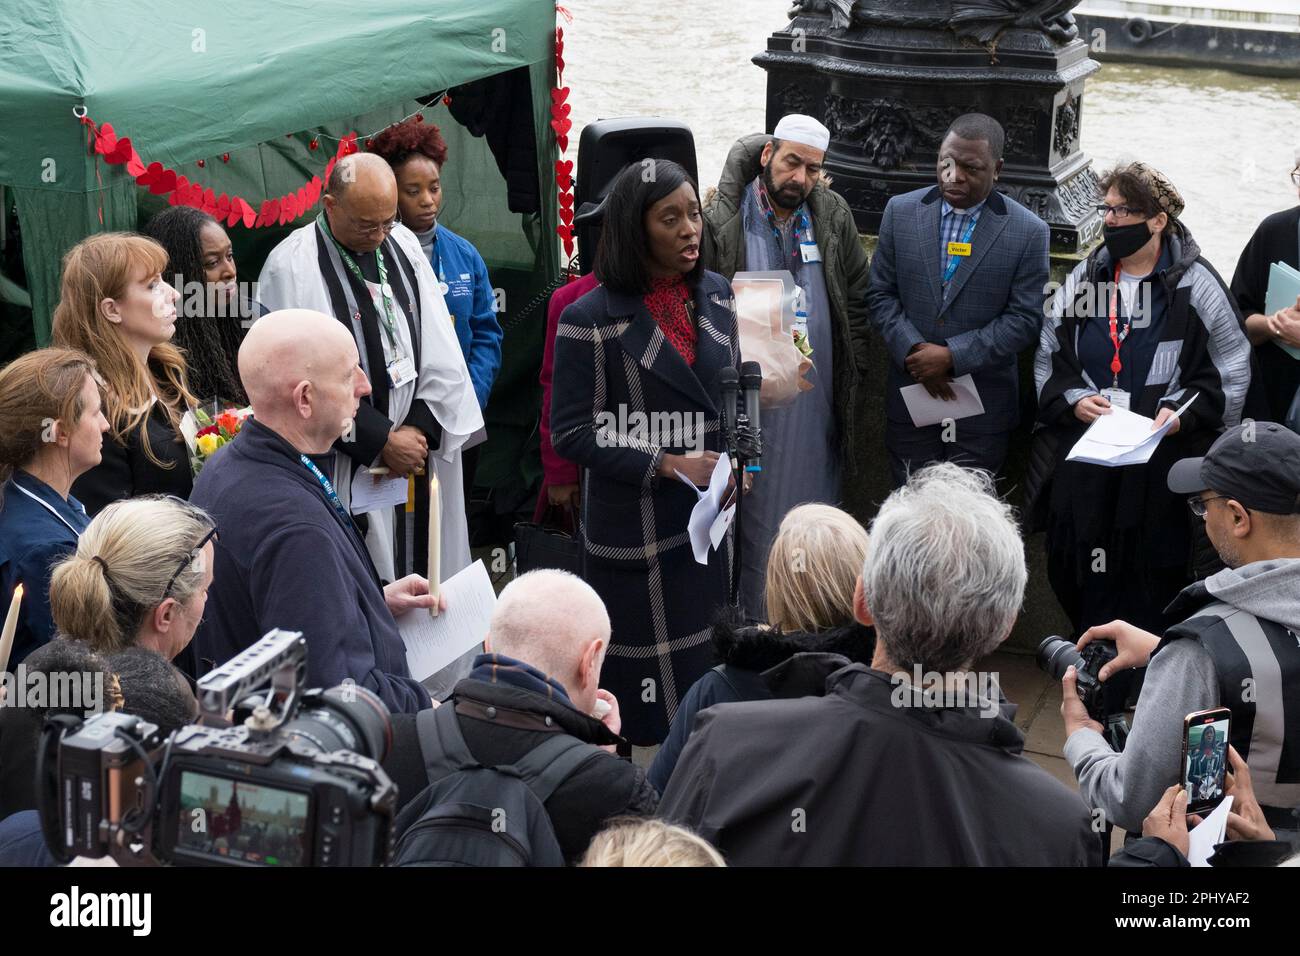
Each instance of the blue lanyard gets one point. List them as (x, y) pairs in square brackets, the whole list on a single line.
[(330, 493), (955, 261)]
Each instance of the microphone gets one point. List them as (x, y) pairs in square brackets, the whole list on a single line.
[(751, 381), (729, 386)]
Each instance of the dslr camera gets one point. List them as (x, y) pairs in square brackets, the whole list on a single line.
[(270, 775), (1056, 654)]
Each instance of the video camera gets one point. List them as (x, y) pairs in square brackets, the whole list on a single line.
[(270, 775)]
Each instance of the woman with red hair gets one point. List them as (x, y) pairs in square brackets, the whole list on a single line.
[(417, 153)]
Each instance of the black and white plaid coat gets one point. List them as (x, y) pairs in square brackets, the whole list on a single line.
[(613, 365)]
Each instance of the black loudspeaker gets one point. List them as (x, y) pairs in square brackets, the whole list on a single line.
[(606, 146)]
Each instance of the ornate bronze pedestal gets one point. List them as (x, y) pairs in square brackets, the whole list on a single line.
[(888, 76)]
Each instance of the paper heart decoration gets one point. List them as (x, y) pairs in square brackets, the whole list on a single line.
[(329, 168), (158, 178), (563, 173), (286, 209), (179, 194), (559, 95), (566, 215), (313, 190), (105, 139), (561, 110), (566, 200), (236, 211), (265, 216), (250, 215)]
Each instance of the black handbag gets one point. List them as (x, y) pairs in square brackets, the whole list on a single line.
[(542, 545)]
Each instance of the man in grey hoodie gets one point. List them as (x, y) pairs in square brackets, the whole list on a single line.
[(1237, 647)]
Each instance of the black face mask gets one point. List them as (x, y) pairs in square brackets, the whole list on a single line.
[(1123, 241)]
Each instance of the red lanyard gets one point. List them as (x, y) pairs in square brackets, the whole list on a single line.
[(1117, 338)]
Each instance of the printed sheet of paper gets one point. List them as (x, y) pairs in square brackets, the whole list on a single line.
[(709, 519), (434, 642), (1203, 836), (376, 492), (1122, 438), (925, 409)]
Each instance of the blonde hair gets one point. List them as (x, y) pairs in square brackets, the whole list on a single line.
[(637, 842), (813, 568), (101, 267), (36, 390), (102, 592)]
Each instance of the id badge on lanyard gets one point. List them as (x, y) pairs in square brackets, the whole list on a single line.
[(1115, 395)]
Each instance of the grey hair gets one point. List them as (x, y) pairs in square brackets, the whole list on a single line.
[(945, 570), (544, 617)]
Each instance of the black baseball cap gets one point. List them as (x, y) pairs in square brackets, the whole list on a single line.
[(1256, 463)]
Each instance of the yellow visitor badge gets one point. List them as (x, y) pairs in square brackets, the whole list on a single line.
[(959, 248)]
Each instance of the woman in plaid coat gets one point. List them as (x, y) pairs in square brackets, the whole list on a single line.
[(635, 400)]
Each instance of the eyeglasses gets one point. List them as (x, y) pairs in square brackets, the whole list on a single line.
[(1198, 504), (1121, 212), (366, 229), (189, 559), (1295, 175)]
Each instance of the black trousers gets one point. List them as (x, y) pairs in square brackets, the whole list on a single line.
[(911, 448)]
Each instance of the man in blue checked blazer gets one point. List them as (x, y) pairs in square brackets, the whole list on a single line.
[(957, 287)]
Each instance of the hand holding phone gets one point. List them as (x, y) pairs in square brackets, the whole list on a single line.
[(1205, 758)]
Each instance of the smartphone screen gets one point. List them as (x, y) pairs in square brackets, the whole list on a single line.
[(1205, 758)]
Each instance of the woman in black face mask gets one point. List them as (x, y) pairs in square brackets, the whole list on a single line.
[(1141, 326)]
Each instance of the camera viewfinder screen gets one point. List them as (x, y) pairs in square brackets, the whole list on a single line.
[(1207, 759), (239, 822)]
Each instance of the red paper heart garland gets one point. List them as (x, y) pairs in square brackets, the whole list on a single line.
[(232, 210), (561, 124)]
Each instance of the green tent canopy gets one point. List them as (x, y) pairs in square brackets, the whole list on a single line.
[(246, 87)]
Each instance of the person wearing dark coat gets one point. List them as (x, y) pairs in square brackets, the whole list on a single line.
[(115, 306), (51, 430), (507, 706), (811, 575), (957, 285), (1276, 239), (289, 555), (636, 403), (911, 761), (1119, 543)]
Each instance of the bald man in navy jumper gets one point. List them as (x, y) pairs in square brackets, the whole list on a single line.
[(288, 554)]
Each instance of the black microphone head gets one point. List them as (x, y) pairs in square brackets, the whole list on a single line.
[(751, 374), (728, 380)]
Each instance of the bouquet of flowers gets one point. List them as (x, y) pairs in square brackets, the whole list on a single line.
[(206, 431)]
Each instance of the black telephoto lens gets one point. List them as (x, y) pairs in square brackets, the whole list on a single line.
[(1056, 654), (343, 718)]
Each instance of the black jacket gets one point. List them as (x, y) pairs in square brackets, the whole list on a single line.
[(850, 778), (1276, 239), (125, 471), (744, 654), (601, 789)]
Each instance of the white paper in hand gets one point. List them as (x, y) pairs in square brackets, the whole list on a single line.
[(709, 520), (925, 409), (434, 642), (1122, 438), (1203, 836), (376, 492)]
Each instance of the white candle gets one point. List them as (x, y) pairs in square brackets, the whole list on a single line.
[(11, 625), (435, 542)]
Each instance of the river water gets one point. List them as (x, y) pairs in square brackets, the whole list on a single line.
[(1227, 141)]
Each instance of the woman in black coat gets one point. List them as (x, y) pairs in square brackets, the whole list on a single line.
[(1143, 323), (115, 306), (635, 401), (1277, 239)]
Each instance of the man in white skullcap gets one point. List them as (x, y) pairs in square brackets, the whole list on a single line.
[(774, 211)]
